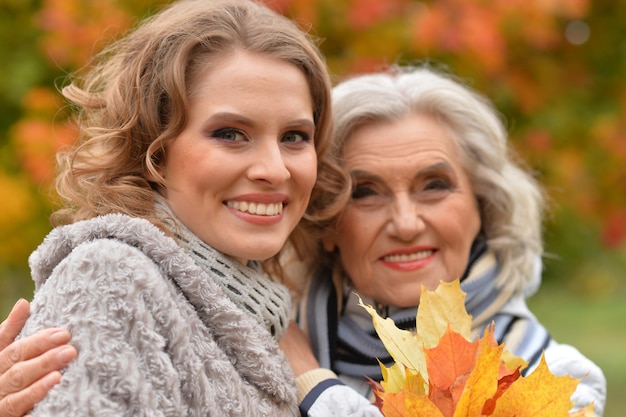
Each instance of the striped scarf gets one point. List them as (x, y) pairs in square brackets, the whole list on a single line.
[(349, 345)]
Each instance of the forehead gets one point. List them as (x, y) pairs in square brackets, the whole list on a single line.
[(415, 139), (252, 87), (244, 70)]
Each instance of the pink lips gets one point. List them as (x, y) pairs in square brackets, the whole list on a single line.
[(261, 209), (409, 259)]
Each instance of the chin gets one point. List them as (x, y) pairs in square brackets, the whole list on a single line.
[(409, 297), (263, 253), (401, 299), (406, 303)]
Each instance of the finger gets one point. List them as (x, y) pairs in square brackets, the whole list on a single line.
[(32, 346), (15, 405), (27, 373), (11, 327)]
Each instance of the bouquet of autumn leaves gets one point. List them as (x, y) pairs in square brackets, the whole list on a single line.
[(440, 372)]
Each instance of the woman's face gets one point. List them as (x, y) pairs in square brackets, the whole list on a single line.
[(241, 172), (413, 215)]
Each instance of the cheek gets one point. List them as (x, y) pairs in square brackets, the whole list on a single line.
[(349, 234), (460, 236), (460, 219), (354, 266), (355, 237), (472, 222), (182, 167), (304, 172)]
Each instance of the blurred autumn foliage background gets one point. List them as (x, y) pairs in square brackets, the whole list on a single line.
[(556, 69)]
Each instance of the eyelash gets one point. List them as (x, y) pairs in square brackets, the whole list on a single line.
[(362, 191), (438, 184), (305, 136), (222, 133)]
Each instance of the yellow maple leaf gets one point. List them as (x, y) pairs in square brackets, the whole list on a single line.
[(510, 361), (394, 377), (405, 347), (483, 379), (540, 394), (415, 384), (417, 405), (442, 308)]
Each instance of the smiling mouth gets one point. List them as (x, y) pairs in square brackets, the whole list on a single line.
[(408, 257), (259, 209)]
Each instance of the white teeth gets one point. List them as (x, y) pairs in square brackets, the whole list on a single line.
[(408, 257), (260, 209)]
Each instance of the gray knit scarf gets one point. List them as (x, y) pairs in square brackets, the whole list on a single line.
[(268, 302)]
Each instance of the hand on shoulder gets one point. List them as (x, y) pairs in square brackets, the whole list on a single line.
[(29, 367)]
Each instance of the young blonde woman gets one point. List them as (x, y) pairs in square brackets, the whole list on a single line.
[(202, 132)]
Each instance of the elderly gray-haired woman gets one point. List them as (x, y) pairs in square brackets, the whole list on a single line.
[(435, 195)]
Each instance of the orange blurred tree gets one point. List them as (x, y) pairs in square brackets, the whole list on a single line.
[(554, 68)]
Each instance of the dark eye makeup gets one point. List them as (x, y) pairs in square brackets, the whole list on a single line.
[(228, 134), (296, 137)]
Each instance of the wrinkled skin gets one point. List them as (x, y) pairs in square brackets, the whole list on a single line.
[(29, 367)]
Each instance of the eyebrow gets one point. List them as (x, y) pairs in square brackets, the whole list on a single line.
[(358, 174), (435, 168), (442, 166), (238, 118), (231, 117)]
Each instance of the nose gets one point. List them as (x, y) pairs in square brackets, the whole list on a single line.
[(268, 164), (405, 221)]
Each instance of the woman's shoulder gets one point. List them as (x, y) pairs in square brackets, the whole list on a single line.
[(89, 271), (99, 240), (98, 269)]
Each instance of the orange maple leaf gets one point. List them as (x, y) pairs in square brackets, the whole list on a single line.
[(449, 365), (454, 356)]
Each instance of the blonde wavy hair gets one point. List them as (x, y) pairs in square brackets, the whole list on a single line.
[(134, 97), (510, 201)]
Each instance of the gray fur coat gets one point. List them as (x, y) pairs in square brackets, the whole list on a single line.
[(156, 336)]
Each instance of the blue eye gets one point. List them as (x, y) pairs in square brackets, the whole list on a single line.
[(295, 137), (228, 134)]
